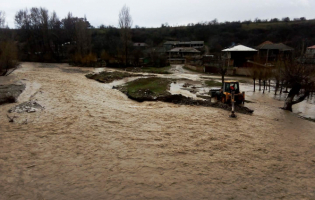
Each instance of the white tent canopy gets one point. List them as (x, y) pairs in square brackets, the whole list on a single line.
[(239, 48)]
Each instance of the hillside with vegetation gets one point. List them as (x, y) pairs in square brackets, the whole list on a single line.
[(44, 37), (298, 34)]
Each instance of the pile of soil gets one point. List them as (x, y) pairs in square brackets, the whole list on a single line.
[(29, 106), (108, 77), (147, 95), (179, 99), (9, 93), (74, 70)]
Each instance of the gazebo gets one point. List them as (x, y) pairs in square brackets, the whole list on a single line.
[(238, 55)]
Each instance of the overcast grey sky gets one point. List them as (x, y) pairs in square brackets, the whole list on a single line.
[(152, 13)]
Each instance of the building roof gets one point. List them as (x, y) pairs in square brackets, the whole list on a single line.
[(192, 42), (278, 46), (141, 44), (155, 49), (179, 42), (264, 43), (239, 48), (172, 42), (311, 47), (184, 49)]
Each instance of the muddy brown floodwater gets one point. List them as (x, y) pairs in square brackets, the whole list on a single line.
[(92, 142)]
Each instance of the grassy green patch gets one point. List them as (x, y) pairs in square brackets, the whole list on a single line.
[(146, 88), (162, 70), (107, 77), (212, 83), (155, 70), (155, 86)]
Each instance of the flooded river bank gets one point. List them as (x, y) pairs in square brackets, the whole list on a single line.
[(92, 142)]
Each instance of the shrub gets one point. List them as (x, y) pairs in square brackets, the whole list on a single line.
[(88, 60)]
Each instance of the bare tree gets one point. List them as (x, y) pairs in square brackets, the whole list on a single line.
[(278, 75), (54, 21), (298, 77), (2, 19), (223, 67), (22, 19), (125, 23), (253, 72), (83, 37)]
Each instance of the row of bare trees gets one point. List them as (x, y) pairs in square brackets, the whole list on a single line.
[(298, 78), (284, 73), (43, 36), (47, 38)]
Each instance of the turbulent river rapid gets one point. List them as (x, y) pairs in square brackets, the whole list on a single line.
[(91, 142)]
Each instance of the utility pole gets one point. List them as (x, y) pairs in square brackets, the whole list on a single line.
[(233, 105), (267, 56)]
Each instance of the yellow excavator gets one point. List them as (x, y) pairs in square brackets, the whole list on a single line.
[(224, 94)]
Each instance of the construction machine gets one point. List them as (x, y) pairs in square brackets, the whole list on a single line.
[(224, 94)]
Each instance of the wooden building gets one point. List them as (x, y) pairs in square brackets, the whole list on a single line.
[(176, 44), (270, 52)]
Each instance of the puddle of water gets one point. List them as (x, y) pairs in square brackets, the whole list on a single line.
[(305, 108), (98, 70), (177, 88), (189, 88)]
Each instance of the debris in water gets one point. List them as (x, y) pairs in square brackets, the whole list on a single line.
[(11, 119), (186, 85), (29, 106)]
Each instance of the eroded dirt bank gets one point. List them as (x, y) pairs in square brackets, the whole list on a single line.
[(10, 92), (92, 142)]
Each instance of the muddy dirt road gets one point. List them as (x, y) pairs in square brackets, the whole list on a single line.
[(92, 142)]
